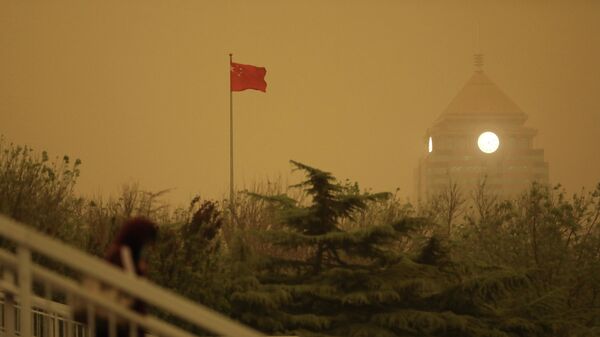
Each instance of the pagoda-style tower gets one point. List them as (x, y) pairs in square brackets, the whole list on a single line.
[(480, 135)]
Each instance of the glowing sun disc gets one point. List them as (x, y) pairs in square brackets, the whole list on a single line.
[(488, 142)]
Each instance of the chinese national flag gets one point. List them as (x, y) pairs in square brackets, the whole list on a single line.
[(245, 76)]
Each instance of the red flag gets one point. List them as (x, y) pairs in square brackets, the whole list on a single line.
[(245, 76)]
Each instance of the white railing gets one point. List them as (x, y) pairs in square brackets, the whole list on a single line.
[(27, 313)]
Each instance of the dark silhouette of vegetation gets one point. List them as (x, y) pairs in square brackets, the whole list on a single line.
[(324, 258), (358, 283), (39, 191)]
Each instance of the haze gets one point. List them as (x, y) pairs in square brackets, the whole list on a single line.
[(138, 90)]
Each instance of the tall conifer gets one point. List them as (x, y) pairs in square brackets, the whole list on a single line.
[(328, 281)]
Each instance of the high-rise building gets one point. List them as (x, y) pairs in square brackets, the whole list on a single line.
[(480, 135)]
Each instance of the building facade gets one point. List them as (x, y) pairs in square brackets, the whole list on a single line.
[(480, 136)]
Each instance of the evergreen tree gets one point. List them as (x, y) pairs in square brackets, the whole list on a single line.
[(328, 281)]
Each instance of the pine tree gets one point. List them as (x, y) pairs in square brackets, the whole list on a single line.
[(327, 281)]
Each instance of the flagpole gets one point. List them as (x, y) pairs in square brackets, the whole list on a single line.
[(231, 200)]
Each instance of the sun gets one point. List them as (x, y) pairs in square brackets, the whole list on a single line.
[(488, 142)]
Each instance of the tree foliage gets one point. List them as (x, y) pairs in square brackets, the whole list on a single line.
[(323, 258), (356, 282), (37, 190)]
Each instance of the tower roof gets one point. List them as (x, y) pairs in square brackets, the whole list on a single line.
[(481, 98)]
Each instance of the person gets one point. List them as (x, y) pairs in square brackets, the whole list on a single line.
[(135, 234), (124, 252)]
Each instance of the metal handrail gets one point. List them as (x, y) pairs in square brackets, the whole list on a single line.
[(29, 240)]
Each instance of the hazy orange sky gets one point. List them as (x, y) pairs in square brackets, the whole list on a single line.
[(138, 90)]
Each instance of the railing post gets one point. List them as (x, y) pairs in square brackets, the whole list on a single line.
[(70, 328), (9, 305), (56, 326), (47, 318), (9, 315), (24, 257), (91, 320)]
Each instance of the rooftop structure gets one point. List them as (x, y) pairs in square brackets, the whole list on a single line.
[(480, 137)]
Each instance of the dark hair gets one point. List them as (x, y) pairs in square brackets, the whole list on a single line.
[(135, 234)]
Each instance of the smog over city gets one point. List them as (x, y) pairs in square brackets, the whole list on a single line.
[(139, 91), (461, 134)]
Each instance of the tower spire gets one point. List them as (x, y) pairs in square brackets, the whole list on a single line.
[(478, 61), (478, 55)]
